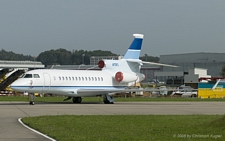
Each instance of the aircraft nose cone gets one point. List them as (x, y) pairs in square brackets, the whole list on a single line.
[(18, 85), (13, 85)]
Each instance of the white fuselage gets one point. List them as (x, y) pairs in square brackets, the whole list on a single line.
[(67, 82)]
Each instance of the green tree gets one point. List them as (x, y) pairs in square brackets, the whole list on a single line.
[(11, 56), (149, 58), (64, 57), (59, 56)]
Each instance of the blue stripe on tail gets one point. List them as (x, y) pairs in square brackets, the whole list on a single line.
[(134, 50)]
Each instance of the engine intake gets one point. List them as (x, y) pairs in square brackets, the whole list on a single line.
[(125, 77), (101, 64), (119, 76)]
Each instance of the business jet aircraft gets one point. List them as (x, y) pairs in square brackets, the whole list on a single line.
[(115, 76)]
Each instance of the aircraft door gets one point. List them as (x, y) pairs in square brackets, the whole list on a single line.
[(47, 81)]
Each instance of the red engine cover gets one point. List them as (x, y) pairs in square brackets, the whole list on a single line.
[(119, 76), (101, 64)]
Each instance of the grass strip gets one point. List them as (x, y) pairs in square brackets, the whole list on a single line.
[(130, 127)]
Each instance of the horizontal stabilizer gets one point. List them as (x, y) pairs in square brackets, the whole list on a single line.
[(152, 63), (159, 64)]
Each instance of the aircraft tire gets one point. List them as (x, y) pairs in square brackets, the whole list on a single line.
[(77, 99), (106, 102)]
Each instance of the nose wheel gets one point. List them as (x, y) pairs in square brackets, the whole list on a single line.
[(32, 98)]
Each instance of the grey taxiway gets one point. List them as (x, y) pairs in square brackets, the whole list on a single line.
[(12, 130)]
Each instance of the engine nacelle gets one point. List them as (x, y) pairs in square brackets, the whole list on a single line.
[(125, 77), (101, 64)]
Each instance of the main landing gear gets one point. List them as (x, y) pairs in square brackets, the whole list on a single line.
[(77, 99), (107, 99)]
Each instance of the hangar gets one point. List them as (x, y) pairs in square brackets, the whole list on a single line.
[(213, 62), (200, 70)]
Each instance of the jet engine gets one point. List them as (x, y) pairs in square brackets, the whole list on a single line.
[(101, 64), (125, 77), (125, 73)]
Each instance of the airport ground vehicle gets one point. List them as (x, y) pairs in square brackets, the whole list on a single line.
[(185, 91)]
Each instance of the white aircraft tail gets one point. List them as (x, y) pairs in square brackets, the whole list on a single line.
[(129, 67)]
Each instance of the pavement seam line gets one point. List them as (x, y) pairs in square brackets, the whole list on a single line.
[(20, 109), (20, 121)]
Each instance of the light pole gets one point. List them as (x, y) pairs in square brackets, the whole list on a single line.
[(83, 55)]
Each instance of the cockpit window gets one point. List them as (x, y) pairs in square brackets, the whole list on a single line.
[(36, 76), (28, 76), (22, 76)]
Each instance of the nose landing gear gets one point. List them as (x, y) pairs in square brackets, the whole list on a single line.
[(32, 98)]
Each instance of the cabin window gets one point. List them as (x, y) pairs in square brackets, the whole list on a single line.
[(95, 78), (98, 79), (69, 78), (79, 79), (86, 78), (62, 78), (92, 78), (82, 78), (101, 78), (76, 78), (28, 76), (89, 78), (59, 78), (66, 79), (73, 78), (36, 76)]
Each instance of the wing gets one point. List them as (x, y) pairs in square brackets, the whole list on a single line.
[(94, 92), (88, 92)]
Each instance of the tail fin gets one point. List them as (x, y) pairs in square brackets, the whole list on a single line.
[(135, 48)]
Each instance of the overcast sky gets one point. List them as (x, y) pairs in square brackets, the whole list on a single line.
[(169, 26)]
